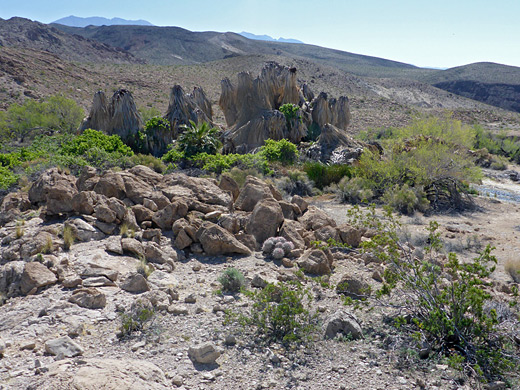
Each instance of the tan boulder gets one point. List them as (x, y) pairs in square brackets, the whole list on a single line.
[(85, 202), (55, 190), (36, 275), (167, 216), (265, 220), (315, 219), (316, 261), (218, 241), (254, 191), (89, 298), (292, 231), (351, 235), (227, 183), (111, 184)]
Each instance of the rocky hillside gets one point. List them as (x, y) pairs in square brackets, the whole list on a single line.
[(83, 257), (26, 34)]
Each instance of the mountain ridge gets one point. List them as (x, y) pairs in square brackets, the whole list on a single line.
[(78, 21)]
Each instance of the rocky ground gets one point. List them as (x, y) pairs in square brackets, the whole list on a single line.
[(61, 316)]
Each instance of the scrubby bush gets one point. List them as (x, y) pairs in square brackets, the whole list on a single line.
[(324, 175), (240, 175), (512, 267), (405, 199), (280, 313), (219, 163), (281, 151), (355, 190), (198, 138), (295, 182), (232, 280), (138, 319), (54, 114), (7, 178), (91, 139), (277, 247), (444, 299), (290, 111)]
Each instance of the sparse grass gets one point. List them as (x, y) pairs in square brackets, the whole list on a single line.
[(144, 268), (126, 231), (19, 232), (512, 267), (68, 237), (48, 247)]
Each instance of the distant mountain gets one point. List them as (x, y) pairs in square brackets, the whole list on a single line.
[(76, 21), (267, 38), (24, 33)]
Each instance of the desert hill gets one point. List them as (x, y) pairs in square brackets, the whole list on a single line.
[(24, 33)]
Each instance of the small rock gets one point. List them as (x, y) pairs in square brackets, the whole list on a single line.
[(177, 380), (177, 310), (192, 298), (206, 353), (138, 345), (28, 345), (63, 347), (89, 298), (135, 283), (344, 323), (230, 340)]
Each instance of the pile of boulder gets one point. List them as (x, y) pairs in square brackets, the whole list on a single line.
[(156, 218)]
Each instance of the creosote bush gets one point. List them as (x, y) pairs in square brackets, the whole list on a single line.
[(443, 300), (232, 280), (280, 313)]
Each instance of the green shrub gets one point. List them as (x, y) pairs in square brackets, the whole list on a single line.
[(240, 175), (405, 199), (232, 280), (219, 163), (54, 114), (198, 139), (445, 304), (290, 111), (7, 178), (96, 139), (138, 319), (173, 155), (281, 151), (149, 161), (280, 313), (324, 175), (355, 190), (313, 132)]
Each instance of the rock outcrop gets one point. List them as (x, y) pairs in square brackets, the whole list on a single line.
[(251, 109), (184, 108), (118, 116)]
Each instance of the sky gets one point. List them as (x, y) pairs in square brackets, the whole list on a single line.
[(434, 33)]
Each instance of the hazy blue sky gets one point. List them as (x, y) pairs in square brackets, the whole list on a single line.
[(437, 33)]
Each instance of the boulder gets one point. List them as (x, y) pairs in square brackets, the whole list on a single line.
[(146, 174), (254, 191), (36, 275), (327, 232), (11, 278), (343, 323), (204, 190), (315, 219), (84, 202), (89, 298), (182, 240), (265, 220), (132, 246), (142, 213), (316, 261), (167, 216), (135, 283), (300, 202), (136, 189), (227, 183), (83, 231), (351, 235), (206, 353), (87, 179), (217, 241), (292, 231), (121, 374), (353, 287), (154, 254), (63, 347), (54, 189), (111, 184)]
